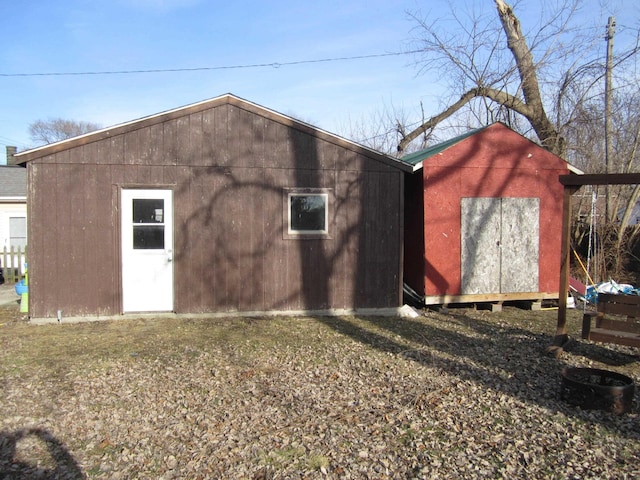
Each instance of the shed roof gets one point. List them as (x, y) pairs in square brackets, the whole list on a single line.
[(416, 159), (228, 98), (13, 182)]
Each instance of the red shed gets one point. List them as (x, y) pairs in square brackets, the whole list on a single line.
[(483, 218)]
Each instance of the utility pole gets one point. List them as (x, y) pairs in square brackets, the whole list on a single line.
[(611, 28)]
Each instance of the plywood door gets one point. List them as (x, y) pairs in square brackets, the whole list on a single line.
[(499, 245), (520, 240), (480, 237)]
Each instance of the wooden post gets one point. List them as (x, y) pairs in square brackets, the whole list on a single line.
[(572, 184), (611, 28), (561, 336)]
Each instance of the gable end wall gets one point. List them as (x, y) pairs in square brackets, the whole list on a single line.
[(228, 168)]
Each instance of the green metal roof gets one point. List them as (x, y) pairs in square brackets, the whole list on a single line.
[(421, 155)]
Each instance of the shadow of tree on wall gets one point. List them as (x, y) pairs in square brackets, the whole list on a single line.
[(476, 171), (315, 262), (224, 264), (13, 466), (363, 253), (232, 252)]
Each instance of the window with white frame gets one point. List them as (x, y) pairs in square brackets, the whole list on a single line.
[(18, 232), (307, 213)]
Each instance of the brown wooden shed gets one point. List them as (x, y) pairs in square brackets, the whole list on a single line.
[(484, 219), (220, 206)]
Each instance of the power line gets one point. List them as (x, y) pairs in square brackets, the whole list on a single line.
[(199, 69), (9, 141)]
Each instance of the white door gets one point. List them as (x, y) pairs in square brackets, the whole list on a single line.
[(147, 250)]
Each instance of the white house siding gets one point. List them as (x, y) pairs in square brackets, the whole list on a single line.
[(7, 211)]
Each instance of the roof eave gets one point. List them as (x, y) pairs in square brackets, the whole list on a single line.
[(44, 150), (111, 131), (574, 170), (13, 199)]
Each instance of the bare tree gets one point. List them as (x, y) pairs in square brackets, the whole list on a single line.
[(618, 232), (547, 83), (381, 130), (53, 130), (473, 54)]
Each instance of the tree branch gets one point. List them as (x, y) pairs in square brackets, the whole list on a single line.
[(498, 96)]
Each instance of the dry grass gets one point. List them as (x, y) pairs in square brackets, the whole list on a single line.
[(470, 394)]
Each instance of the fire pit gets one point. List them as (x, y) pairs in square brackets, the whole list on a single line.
[(595, 389)]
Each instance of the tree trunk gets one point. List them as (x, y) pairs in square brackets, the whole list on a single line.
[(516, 42), (531, 108)]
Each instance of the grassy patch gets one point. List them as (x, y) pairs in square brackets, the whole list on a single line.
[(54, 348), (281, 457)]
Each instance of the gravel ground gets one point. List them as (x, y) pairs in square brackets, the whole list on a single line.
[(469, 394)]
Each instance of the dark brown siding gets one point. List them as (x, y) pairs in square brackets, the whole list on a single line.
[(414, 258), (228, 167)]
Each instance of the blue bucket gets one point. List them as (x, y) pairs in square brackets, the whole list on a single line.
[(21, 287)]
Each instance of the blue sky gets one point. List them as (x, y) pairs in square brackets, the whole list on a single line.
[(62, 36)]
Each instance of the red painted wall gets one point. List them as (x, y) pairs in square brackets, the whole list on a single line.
[(495, 162)]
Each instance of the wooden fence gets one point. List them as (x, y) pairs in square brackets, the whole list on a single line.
[(14, 263)]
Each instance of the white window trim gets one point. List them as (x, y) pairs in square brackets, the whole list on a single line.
[(288, 232)]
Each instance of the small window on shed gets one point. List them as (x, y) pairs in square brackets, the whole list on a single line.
[(307, 213)]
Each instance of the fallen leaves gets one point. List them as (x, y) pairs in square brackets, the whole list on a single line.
[(432, 397)]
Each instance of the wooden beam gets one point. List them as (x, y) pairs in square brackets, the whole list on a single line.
[(487, 297), (561, 336), (572, 183)]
